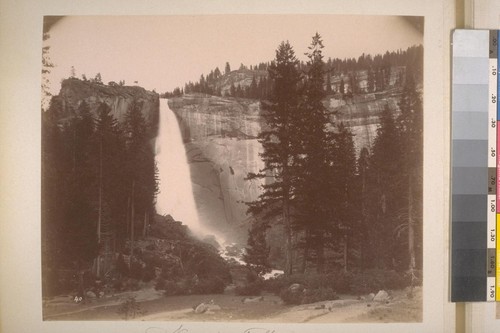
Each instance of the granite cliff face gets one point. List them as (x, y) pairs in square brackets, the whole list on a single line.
[(119, 98), (362, 114), (220, 135)]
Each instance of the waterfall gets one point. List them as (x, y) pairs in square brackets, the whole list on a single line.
[(176, 192)]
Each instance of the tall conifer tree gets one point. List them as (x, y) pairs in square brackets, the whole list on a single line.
[(314, 144), (410, 130), (279, 153)]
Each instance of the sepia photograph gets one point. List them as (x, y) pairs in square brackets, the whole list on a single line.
[(232, 168)]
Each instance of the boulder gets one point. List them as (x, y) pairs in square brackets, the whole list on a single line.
[(90, 294), (204, 307), (214, 307), (201, 308), (296, 287), (382, 296), (252, 299)]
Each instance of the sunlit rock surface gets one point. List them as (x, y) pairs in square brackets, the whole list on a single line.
[(221, 142), (220, 135)]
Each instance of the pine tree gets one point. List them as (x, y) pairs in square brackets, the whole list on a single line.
[(52, 194), (410, 130), (278, 151), (227, 69), (140, 166), (253, 88), (109, 160), (314, 141), (257, 249), (380, 80), (353, 83), (232, 90), (217, 73), (385, 190), (362, 225), (328, 83), (342, 184), (98, 78), (370, 81)]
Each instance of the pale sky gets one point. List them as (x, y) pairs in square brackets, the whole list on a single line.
[(163, 52)]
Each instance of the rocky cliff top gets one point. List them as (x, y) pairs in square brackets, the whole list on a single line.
[(240, 77), (74, 91)]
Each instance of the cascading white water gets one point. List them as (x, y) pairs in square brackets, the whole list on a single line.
[(176, 193)]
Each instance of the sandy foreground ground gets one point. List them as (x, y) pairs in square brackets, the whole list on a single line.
[(153, 306)]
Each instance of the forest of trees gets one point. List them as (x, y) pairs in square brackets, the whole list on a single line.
[(98, 187), (337, 210), (375, 70)]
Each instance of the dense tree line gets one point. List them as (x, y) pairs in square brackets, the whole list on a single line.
[(98, 186), (337, 210), (376, 71)]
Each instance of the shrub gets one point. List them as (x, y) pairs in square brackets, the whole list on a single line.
[(376, 279), (172, 289), (160, 284), (117, 285), (214, 285), (319, 287), (121, 266), (253, 288), (292, 296), (318, 295), (148, 273), (135, 269), (130, 284)]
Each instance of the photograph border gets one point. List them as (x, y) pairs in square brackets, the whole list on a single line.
[(21, 31)]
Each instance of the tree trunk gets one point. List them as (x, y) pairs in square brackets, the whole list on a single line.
[(132, 219), (320, 252), (74, 148), (362, 229), (411, 232), (306, 253), (345, 253), (288, 235), (128, 215), (99, 220), (144, 229)]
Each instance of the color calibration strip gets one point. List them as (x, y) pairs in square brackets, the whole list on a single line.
[(493, 160), (472, 131), (493, 103)]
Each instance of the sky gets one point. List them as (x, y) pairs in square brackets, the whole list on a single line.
[(164, 52)]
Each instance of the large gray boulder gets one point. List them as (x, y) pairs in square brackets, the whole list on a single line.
[(382, 296)]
